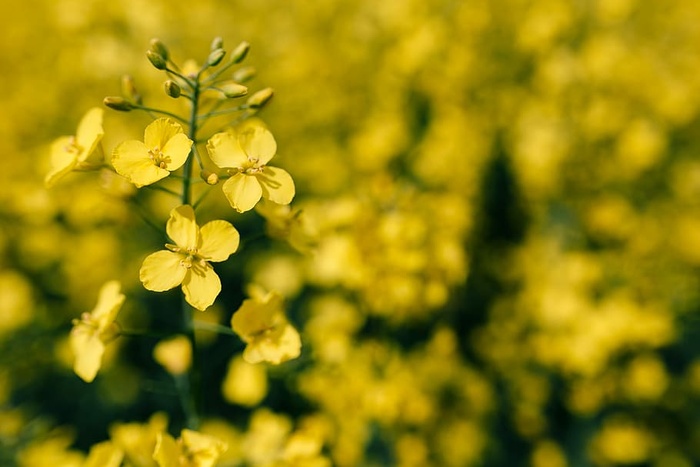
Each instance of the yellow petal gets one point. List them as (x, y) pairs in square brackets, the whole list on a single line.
[(162, 270), (63, 159), (201, 286), (257, 142), (277, 185), (159, 132), (242, 191), (276, 348), (87, 349), (177, 149), (219, 240), (182, 227), (167, 451), (90, 132), (204, 450), (225, 151), (132, 161), (108, 304), (104, 454)]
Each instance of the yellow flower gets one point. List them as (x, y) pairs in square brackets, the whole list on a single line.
[(187, 261), (104, 454), (93, 330), (262, 324), (80, 152), (193, 449), (174, 354), (164, 148), (245, 152)]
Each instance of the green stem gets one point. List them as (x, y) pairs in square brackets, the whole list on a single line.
[(188, 385)]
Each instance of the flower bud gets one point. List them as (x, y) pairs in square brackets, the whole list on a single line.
[(159, 48), (260, 98), (217, 43), (172, 89), (156, 60), (215, 57), (232, 89), (243, 74), (117, 103), (240, 52), (129, 89), (210, 177)]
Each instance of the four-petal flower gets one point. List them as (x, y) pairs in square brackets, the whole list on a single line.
[(245, 152), (93, 330), (165, 148), (80, 152), (187, 261)]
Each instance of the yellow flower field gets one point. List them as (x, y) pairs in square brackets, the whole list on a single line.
[(351, 233)]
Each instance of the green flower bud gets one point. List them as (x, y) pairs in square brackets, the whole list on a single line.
[(217, 43), (117, 103), (129, 89), (159, 48), (260, 98), (215, 57), (156, 60), (172, 89), (244, 74), (232, 89), (240, 52)]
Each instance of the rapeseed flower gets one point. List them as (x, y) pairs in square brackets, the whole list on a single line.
[(165, 148), (193, 449), (262, 324), (93, 330), (83, 151), (245, 152), (187, 261)]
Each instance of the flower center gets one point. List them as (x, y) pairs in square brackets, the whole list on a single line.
[(72, 146), (158, 158)]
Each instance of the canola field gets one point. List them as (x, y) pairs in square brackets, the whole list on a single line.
[(350, 233)]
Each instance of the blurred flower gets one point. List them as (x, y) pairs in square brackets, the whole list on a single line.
[(104, 454), (245, 151), (192, 449), (80, 152), (94, 330), (175, 355), (262, 324), (245, 383), (187, 262), (165, 148)]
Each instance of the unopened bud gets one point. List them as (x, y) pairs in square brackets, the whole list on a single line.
[(240, 52), (159, 48), (117, 103), (129, 89), (244, 74), (232, 89), (260, 98), (215, 57), (156, 60), (172, 89), (210, 177), (217, 43)]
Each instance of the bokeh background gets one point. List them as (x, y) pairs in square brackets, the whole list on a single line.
[(505, 196)]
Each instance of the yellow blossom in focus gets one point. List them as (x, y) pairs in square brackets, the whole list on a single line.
[(80, 152), (262, 324), (187, 261), (94, 330), (192, 449), (164, 149), (245, 152), (175, 355)]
